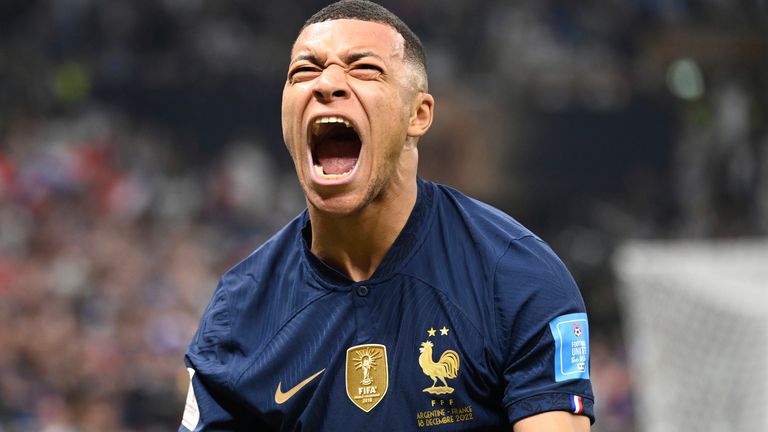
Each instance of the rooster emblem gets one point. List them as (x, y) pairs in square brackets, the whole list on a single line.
[(446, 367)]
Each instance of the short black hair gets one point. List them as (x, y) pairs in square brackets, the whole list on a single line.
[(365, 10)]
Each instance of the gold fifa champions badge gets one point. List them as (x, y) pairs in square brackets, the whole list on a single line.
[(367, 376)]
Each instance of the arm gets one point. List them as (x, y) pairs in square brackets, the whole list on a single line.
[(545, 334), (553, 421), (212, 404), (202, 411)]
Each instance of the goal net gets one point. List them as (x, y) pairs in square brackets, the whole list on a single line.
[(696, 328)]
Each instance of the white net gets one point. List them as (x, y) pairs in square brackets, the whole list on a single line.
[(696, 326)]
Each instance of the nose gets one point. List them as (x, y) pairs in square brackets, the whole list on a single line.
[(332, 84)]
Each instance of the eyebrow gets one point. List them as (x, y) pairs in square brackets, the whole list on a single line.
[(309, 57), (351, 58), (361, 55)]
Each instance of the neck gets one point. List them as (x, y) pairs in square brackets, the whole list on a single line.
[(355, 244)]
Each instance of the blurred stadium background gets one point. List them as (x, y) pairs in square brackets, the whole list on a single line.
[(141, 156)]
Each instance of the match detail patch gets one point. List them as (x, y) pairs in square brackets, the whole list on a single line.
[(191, 411), (571, 335)]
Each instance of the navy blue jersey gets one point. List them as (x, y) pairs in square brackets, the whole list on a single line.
[(470, 322)]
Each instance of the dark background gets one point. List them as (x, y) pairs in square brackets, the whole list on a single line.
[(141, 155)]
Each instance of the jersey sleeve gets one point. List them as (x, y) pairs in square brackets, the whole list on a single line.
[(204, 410), (543, 332), (211, 403)]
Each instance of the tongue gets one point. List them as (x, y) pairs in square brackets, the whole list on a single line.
[(338, 156)]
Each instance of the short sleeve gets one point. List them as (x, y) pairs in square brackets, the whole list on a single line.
[(211, 403), (543, 331), (204, 410)]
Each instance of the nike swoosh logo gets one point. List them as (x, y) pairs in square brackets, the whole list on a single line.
[(281, 397)]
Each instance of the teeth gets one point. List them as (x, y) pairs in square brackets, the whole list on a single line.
[(333, 119), (319, 171)]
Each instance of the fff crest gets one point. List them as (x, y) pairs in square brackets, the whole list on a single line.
[(367, 377)]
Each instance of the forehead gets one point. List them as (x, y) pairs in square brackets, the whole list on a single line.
[(347, 35)]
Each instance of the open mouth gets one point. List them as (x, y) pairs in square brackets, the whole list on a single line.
[(335, 147)]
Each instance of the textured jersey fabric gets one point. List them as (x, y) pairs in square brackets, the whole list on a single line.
[(456, 330)]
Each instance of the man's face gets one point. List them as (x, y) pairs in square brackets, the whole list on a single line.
[(346, 108)]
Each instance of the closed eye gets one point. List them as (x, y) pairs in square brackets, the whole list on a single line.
[(366, 71), (368, 66), (303, 73)]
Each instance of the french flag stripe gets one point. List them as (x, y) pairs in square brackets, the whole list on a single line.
[(576, 404)]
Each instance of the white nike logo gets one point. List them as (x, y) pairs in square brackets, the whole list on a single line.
[(281, 397)]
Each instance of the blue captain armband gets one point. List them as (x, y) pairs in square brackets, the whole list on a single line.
[(571, 335)]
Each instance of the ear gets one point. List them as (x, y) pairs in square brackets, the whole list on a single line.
[(421, 115)]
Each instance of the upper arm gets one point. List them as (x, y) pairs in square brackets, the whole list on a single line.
[(203, 410), (553, 421), (211, 403), (543, 328)]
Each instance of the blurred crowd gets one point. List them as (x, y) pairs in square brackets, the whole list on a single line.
[(141, 156), (107, 255)]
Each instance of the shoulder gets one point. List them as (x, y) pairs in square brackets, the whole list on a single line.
[(510, 255), (250, 300), (481, 230), (533, 288), (274, 254), (529, 258), (482, 218), (270, 264), (528, 283), (484, 260)]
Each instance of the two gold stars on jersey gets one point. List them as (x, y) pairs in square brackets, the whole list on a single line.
[(443, 331), (446, 367)]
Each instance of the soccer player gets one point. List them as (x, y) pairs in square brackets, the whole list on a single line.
[(391, 303)]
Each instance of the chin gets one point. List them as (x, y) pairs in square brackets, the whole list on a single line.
[(335, 205), (339, 201)]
